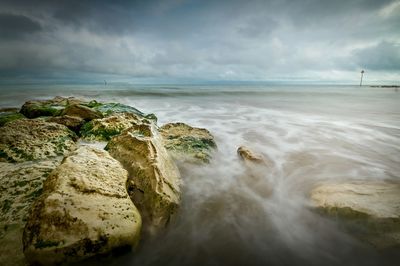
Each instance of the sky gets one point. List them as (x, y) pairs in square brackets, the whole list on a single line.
[(308, 41)]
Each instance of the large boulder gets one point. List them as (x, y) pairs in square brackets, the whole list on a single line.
[(186, 143), (108, 109), (20, 185), (104, 129), (51, 107), (371, 208), (84, 210), (154, 179), (25, 140), (82, 111), (72, 122)]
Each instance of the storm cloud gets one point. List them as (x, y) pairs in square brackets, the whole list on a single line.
[(310, 40)]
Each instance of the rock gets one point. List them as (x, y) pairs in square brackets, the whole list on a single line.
[(249, 156), (72, 122), (25, 140), (154, 179), (186, 143), (104, 129), (20, 185), (8, 116), (84, 210), (81, 111), (373, 206), (108, 109)]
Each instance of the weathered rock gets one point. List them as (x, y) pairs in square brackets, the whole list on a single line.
[(108, 109), (374, 207), (186, 143), (20, 185), (72, 122), (33, 109), (154, 179), (104, 129), (84, 210), (81, 111), (248, 156), (25, 140), (8, 116)]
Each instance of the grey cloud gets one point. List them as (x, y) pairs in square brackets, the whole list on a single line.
[(381, 57), (17, 26)]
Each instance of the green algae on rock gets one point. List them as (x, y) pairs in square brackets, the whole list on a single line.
[(20, 185), (104, 129), (6, 117), (33, 139), (154, 179), (371, 209), (108, 109), (84, 210), (188, 143)]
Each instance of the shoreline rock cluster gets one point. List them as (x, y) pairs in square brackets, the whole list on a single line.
[(65, 202)]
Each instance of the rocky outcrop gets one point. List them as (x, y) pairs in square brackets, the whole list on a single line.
[(72, 122), (374, 207), (186, 143), (82, 112), (154, 179), (20, 185), (84, 210), (104, 129), (250, 157), (25, 139), (52, 107)]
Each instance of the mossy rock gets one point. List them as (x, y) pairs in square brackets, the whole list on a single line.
[(108, 109), (188, 143), (6, 117)]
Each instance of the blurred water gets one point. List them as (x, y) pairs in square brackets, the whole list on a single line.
[(232, 215)]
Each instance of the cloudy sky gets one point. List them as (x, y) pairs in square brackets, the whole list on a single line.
[(200, 40)]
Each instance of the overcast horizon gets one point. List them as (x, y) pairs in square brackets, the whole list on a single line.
[(178, 41)]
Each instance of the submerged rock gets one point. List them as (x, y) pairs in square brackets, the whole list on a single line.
[(72, 122), (84, 210), (25, 140), (81, 111), (186, 143), (104, 129), (373, 207), (249, 156), (20, 185), (154, 179)]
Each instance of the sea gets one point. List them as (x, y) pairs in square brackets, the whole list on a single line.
[(228, 216)]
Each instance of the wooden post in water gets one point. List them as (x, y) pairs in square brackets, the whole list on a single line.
[(362, 74)]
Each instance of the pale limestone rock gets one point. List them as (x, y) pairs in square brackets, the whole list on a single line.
[(84, 210), (104, 129), (26, 139), (374, 205), (20, 185), (186, 143), (154, 179)]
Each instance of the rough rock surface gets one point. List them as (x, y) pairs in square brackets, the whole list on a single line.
[(104, 129), (20, 185), (25, 140), (372, 205), (81, 111), (72, 122), (186, 143), (249, 156), (84, 210), (154, 179), (52, 107)]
